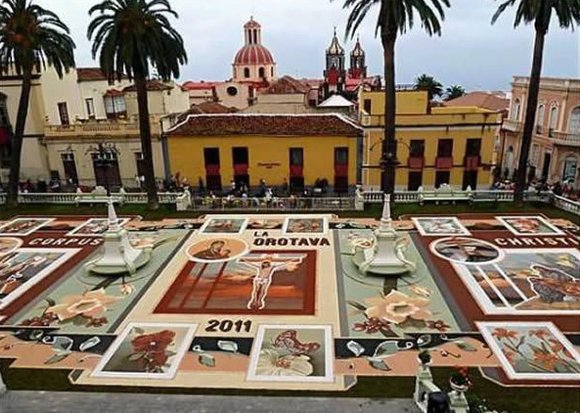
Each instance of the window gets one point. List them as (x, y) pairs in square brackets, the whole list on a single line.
[(90, 106), (272, 71), (140, 164), (296, 157), (441, 177), (540, 119), (246, 72), (473, 147), (469, 180), (417, 148), (415, 180), (516, 110), (570, 168), (211, 156), (212, 169), (535, 156), (63, 113), (4, 121), (240, 156), (553, 120), (262, 72), (70, 168), (368, 106), (341, 156), (5, 133), (115, 106), (445, 148), (574, 124), (232, 91)]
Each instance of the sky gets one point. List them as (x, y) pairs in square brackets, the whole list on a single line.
[(470, 52)]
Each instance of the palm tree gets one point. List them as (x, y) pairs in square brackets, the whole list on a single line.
[(394, 19), (131, 37), (540, 13), (454, 92), (428, 83), (31, 38)]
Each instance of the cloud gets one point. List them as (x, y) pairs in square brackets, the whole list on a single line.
[(470, 52)]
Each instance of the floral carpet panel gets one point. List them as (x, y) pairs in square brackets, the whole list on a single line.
[(282, 302)]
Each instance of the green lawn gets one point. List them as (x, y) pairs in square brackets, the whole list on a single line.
[(373, 210), (512, 400)]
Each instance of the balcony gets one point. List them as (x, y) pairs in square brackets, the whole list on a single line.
[(566, 139), (101, 127), (512, 125), (444, 162), (416, 162)]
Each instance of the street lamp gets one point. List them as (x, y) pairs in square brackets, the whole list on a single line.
[(104, 157)]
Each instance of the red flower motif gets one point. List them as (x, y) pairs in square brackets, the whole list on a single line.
[(438, 325), (154, 342), (541, 334), (546, 360), (372, 325), (504, 333)]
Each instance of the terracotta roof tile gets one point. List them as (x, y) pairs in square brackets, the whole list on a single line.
[(88, 74), (152, 86), (259, 124), (287, 85), (481, 100)]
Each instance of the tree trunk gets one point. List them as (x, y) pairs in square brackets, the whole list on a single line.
[(389, 146), (531, 109), (16, 144), (146, 146)]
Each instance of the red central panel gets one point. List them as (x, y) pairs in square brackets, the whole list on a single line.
[(238, 287)]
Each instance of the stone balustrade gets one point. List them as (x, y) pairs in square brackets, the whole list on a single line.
[(355, 203)]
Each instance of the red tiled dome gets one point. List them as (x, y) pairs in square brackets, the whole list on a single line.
[(254, 54)]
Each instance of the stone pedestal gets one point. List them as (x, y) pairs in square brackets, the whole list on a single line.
[(388, 256), (120, 257)]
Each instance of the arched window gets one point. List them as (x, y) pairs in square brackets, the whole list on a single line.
[(570, 168), (246, 72), (262, 73), (516, 110), (540, 119), (574, 124), (553, 120)]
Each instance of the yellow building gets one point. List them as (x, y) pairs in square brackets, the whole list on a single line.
[(246, 148), (437, 145)]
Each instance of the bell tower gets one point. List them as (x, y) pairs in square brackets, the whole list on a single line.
[(335, 74), (358, 68)]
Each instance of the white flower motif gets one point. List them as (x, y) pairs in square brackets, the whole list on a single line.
[(271, 363)]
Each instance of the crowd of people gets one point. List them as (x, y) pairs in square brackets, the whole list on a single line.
[(565, 189)]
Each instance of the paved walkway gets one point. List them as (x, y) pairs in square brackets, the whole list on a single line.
[(56, 402)]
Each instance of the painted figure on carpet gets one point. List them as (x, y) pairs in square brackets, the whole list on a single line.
[(14, 268), (23, 226), (466, 250), (8, 245), (265, 268), (216, 251)]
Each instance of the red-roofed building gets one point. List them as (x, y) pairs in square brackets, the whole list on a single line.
[(219, 148)]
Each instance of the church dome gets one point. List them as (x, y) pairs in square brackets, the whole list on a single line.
[(254, 54)]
